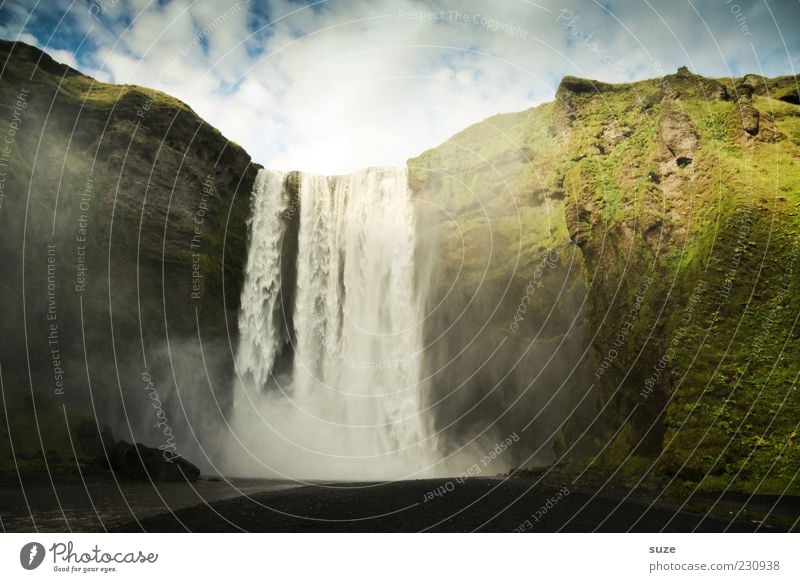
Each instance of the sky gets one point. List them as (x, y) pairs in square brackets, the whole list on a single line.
[(336, 85)]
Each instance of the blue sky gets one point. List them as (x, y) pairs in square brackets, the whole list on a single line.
[(336, 85)]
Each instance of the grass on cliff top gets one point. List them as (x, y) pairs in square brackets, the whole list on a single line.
[(32, 69), (98, 95)]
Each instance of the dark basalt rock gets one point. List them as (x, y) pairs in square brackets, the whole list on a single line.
[(143, 463)]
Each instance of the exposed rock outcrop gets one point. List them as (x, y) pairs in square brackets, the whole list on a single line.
[(678, 135), (750, 118), (141, 463)]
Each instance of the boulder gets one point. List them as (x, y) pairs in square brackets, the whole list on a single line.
[(142, 463)]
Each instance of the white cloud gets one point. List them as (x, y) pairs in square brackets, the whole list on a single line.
[(349, 84)]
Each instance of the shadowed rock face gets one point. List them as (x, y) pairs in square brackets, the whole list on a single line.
[(125, 224)]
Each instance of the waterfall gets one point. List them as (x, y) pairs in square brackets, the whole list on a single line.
[(352, 404), (259, 324)]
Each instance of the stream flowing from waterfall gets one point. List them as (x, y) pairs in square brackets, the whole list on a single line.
[(350, 403)]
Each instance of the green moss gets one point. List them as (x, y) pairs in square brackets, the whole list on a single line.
[(724, 416)]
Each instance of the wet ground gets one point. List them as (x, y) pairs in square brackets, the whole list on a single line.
[(98, 503), (495, 505)]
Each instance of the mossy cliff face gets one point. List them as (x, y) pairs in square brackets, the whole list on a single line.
[(124, 224), (676, 204), (505, 333)]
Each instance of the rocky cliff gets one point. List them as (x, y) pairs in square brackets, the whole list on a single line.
[(123, 232), (661, 349)]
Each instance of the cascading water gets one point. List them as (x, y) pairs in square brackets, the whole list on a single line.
[(352, 405), (259, 328)]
